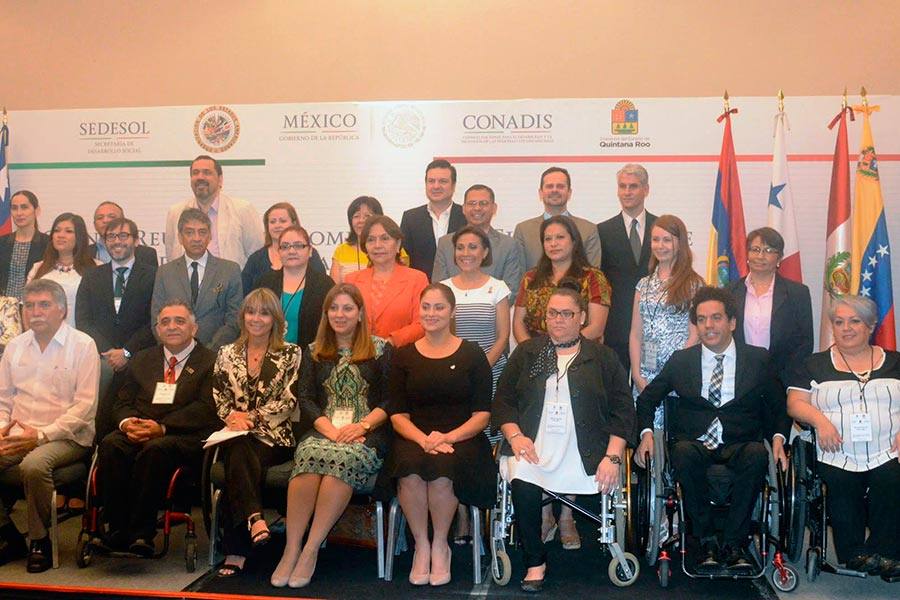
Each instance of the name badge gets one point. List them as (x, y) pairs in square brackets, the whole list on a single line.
[(649, 353), (341, 417), (557, 420), (861, 427), (165, 393)]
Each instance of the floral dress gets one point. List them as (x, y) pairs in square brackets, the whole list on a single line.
[(594, 287)]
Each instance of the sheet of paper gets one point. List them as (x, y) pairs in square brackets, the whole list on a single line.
[(222, 435)]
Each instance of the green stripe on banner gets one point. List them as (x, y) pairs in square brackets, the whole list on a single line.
[(130, 164)]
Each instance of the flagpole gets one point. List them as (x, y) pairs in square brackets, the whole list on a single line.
[(780, 101)]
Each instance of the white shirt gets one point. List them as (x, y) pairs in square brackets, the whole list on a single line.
[(708, 363), (54, 391), (129, 264), (641, 221), (213, 214), (201, 266), (439, 223)]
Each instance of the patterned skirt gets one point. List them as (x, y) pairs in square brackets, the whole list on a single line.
[(354, 464)]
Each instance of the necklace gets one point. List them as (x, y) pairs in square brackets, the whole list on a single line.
[(64, 268), (862, 377), (568, 344)]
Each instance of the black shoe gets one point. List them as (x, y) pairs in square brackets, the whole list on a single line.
[(532, 586), (39, 556), (708, 560), (890, 570), (12, 545), (142, 547), (736, 559), (865, 563)]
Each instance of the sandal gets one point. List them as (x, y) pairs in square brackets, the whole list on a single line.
[(261, 537), (568, 535), (229, 570)]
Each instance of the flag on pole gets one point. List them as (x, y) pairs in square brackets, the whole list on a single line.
[(870, 254), (727, 255), (781, 204), (837, 241), (5, 224)]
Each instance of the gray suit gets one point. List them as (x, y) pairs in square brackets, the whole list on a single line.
[(218, 301), (528, 233), (507, 260)]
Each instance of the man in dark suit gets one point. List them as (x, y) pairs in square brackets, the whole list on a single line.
[(104, 214), (210, 285), (625, 240), (113, 307), (163, 412), (424, 225), (729, 401)]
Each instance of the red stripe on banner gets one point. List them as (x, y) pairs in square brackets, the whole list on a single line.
[(650, 158), (885, 333)]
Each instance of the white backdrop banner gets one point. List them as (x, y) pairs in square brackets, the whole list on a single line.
[(321, 156)]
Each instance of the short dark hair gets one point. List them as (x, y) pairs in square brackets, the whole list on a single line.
[(714, 294), (481, 235), (557, 170), (111, 203), (769, 236), (390, 227), (123, 222), (177, 302), (479, 187), (445, 291), (193, 214), (571, 288), (369, 201), (30, 196), (440, 163), (207, 157)]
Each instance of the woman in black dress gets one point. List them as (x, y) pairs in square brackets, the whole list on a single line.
[(440, 390)]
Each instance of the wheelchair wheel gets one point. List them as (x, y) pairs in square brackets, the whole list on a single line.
[(663, 572), (813, 564), (190, 554), (83, 552), (786, 579), (617, 573), (502, 568), (796, 501)]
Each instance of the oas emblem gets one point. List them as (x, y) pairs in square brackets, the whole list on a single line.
[(216, 128), (403, 125)]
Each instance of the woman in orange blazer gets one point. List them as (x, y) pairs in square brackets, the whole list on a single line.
[(390, 290)]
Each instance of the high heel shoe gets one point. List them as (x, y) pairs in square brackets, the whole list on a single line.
[(418, 578), (280, 581), (300, 581), (436, 579)]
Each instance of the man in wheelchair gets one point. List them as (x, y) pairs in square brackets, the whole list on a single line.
[(163, 411), (729, 400)]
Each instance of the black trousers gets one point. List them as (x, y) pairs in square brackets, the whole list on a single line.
[(747, 462), (246, 460), (847, 510), (133, 478), (526, 498)]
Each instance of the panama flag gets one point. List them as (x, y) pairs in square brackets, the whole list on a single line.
[(870, 247), (837, 242), (5, 224), (781, 204), (726, 259)]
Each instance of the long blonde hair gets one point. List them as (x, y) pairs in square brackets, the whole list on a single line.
[(263, 300)]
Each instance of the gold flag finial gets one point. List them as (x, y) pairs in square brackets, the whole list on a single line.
[(725, 98), (780, 100), (844, 98), (865, 99), (4, 115)]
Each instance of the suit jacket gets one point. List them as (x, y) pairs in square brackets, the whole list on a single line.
[(309, 309), (623, 273), (791, 327), (396, 316), (142, 253), (39, 243), (218, 301), (95, 309), (258, 264), (191, 413), (757, 411), (418, 235), (239, 229), (507, 260), (528, 233)]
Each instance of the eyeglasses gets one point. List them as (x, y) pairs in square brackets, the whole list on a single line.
[(552, 313), (121, 236), (295, 246), (477, 203), (760, 250)]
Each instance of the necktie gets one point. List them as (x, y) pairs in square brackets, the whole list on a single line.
[(170, 372), (120, 281), (195, 282), (715, 382), (635, 240)]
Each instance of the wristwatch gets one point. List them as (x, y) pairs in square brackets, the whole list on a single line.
[(42, 437), (126, 353), (366, 425), (616, 460)]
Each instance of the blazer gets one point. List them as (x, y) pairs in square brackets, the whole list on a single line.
[(192, 412), (791, 327), (396, 316), (418, 235), (39, 243), (528, 233), (258, 264), (309, 309), (142, 253), (623, 273), (507, 260), (601, 397), (757, 411), (95, 309), (218, 301)]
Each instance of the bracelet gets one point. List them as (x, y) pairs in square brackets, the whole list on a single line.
[(513, 436)]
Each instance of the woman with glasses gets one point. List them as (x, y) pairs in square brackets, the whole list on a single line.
[(300, 288), (22, 248), (772, 312)]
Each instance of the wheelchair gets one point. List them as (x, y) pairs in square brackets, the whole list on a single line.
[(661, 519), (89, 538), (615, 523), (805, 506)]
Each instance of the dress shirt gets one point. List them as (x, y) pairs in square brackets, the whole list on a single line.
[(129, 264), (439, 223), (758, 315), (564, 213), (201, 267), (54, 391), (102, 253), (708, 363), (641, 221), (213, 214)]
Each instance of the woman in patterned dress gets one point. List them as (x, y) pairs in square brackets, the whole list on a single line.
[(253, 389), (22, 248), (341, 390)]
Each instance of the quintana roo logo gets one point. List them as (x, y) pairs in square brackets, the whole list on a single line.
[(624, 118), (403, 126), (217, 128)]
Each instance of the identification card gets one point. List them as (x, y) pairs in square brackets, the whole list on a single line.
[(649, 352), (556, 419), (861, 427), (341, 417), (165, 393)]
